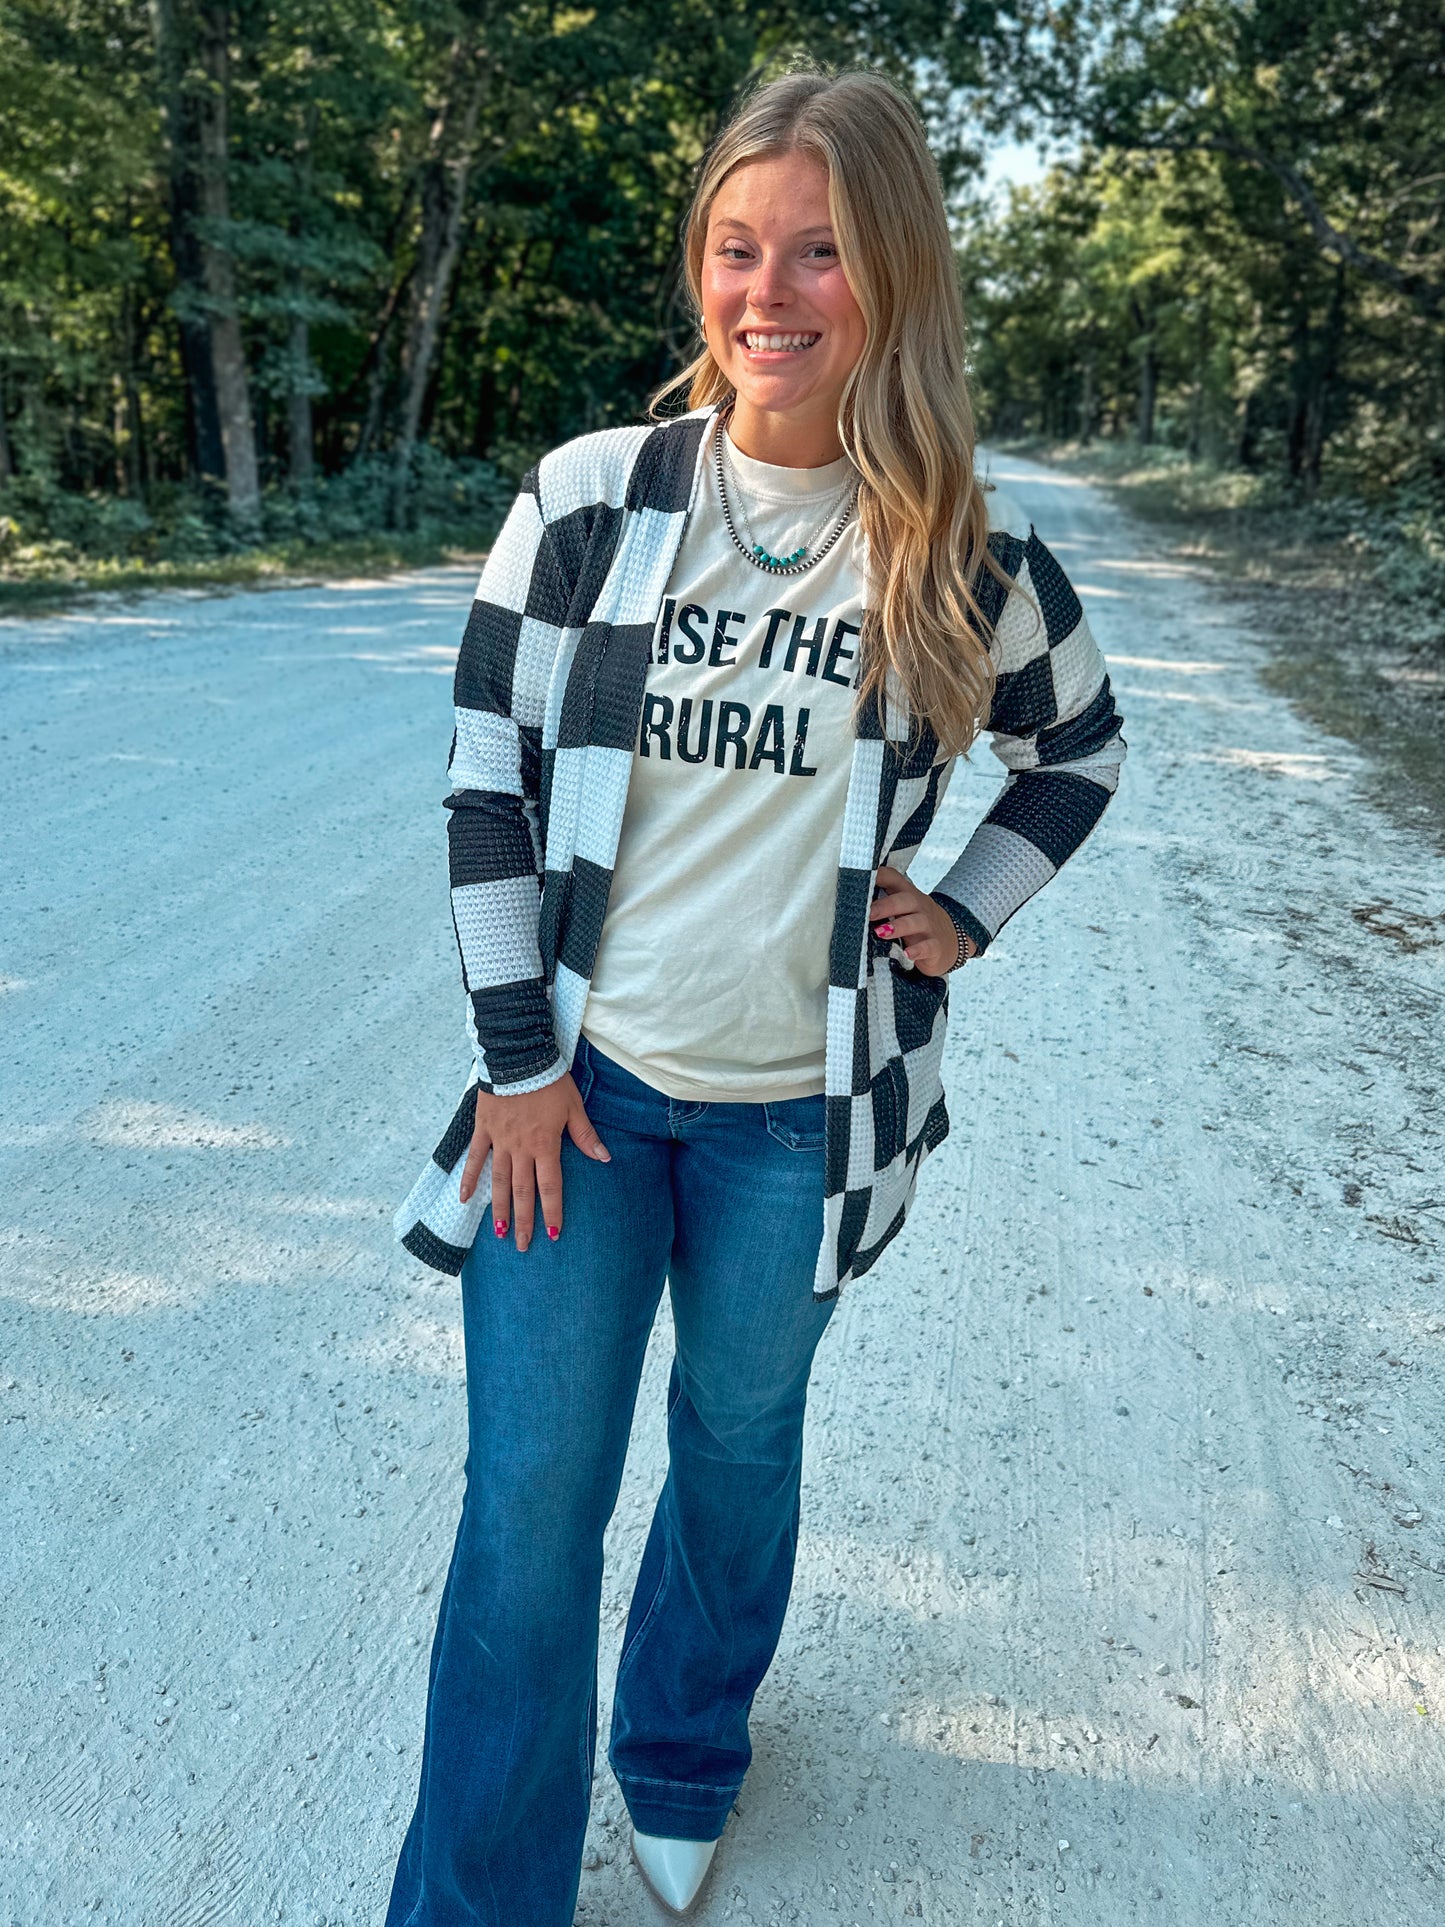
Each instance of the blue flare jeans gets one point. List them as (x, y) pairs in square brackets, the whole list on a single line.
[(724, 1203)]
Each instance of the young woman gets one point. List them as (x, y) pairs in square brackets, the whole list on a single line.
[(710, 694)]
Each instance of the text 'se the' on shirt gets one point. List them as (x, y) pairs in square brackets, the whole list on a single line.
[(711, 979)]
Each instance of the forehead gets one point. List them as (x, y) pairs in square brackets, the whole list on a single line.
[(785, 189)]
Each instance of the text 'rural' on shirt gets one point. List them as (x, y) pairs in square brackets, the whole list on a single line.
[(711, 981)]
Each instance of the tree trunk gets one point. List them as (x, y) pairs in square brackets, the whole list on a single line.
[(1300, 377), (370, 436), (1148, 392), (485, 427), (74, 467), (301, 457), (1245, 449), (1322, 387), (1148, 372), (7, 458), (375, 361), (120, 475), (1088, 405), (300, 432), (1199, 389), (372, 368), (228, 354), (443, 205), (137, 467), (204, 448), (439, 354)]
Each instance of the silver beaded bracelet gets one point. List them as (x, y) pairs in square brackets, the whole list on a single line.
[(963, 935)]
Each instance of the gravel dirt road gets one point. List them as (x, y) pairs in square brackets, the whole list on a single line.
[(1121, 1595)]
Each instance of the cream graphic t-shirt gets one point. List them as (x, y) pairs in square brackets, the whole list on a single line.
[(711, 979)]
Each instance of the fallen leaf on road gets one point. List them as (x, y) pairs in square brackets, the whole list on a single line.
[(1381, 1582)]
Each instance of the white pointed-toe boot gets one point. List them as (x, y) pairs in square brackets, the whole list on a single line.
[(674, 1870)]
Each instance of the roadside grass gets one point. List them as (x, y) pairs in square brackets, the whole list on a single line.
[(1377, 567), (59, 546), (63, 581), (1348, 595)]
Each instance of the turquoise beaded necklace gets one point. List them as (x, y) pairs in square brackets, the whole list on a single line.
[(800, 559)]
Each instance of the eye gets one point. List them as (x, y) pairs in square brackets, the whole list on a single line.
[(825, 248), (733, 251)]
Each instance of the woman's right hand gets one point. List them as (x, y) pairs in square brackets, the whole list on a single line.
[(524, 1136)]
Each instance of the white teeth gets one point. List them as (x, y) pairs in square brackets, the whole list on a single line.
[(759, 342)]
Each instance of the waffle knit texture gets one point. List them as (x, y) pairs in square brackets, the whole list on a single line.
[(711, 980), (549, 690)]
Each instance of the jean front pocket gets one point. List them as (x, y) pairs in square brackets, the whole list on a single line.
[(798, 1122), (584, 1071)]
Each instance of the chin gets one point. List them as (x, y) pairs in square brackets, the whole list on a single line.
[(773, 392)]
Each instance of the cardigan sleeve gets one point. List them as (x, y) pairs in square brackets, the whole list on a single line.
[(1054, 726), (493, 834)]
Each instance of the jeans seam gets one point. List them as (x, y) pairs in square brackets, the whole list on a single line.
[(691, 1787), (591, 1070), (631, 1647), (589, 1738), (674, 1400)]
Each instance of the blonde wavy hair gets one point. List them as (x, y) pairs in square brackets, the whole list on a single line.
[(904, 419)]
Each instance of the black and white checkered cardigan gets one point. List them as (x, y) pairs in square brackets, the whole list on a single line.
[(549, 690)]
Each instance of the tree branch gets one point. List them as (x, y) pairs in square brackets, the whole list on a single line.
[(1427, 295)]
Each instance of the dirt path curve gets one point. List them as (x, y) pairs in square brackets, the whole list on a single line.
[(1097, 1456)]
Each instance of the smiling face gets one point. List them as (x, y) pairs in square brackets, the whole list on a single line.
[(780, 318)]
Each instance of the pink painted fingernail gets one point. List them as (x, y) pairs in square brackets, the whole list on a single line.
[(553, 1231), (499, 1225), (885, 929)]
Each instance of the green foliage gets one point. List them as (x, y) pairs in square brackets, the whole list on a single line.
[(46, 530), (1235, 290), (1374, 569), (1254, 228), (563, 139), (450, 239)]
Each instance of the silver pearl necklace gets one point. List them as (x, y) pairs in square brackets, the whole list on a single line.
[(800, 560)]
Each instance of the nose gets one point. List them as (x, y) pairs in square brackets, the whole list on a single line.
[(771, 286)]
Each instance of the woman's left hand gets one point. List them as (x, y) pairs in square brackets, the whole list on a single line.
[(903, 912)]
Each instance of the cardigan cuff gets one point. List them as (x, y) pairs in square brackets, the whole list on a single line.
[(965, 923), (513, 1035), (519, 1086)]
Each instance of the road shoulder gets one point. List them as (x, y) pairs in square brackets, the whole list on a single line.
[(1357, 659)]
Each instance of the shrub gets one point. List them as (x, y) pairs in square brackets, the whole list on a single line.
[(48, 531)]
